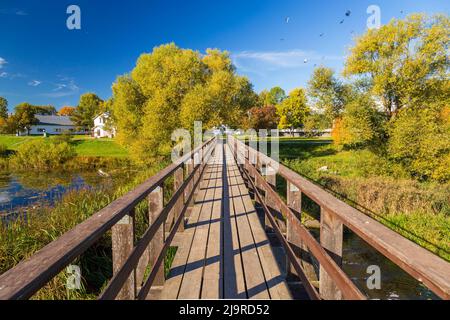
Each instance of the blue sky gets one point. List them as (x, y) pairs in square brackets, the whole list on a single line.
[(42, 62)]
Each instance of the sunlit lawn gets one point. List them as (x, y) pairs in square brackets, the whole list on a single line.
[(84, 146)]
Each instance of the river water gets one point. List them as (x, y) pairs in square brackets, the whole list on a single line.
[(22, 192), (395, 284)]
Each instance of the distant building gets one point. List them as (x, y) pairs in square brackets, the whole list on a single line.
[(102, 128), (54, 125)]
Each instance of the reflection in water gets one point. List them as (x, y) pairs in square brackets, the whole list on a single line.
[(396, 284), (20, 192)]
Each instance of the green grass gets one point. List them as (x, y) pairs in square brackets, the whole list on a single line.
[(84, 146), (379, 188)]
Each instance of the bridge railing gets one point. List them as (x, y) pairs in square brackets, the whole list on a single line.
[(136, 266), (421, 264)]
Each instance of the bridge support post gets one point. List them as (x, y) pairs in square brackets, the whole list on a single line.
[(294, 201), (271, 179), (189, 169), (155, 206), (122, 245), (331, 237), (178, 178)]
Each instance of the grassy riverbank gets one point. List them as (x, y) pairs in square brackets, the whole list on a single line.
[(84, 146), (419, 211), (22, 238)]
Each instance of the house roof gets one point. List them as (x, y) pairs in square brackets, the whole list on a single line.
[(54, 120), (103, 114)]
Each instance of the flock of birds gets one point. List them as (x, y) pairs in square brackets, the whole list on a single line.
[(347, 14)]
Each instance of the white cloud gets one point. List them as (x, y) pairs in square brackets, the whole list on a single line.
[(3, 75), (2, 62), (34, 83), (66, 87)]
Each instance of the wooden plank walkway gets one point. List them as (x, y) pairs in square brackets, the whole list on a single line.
[(224, 252)]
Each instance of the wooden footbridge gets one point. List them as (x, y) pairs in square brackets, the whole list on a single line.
[(226, 249)]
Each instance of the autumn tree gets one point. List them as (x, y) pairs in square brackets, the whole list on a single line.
[(263, 117), (360, 125), (293, 110), (88, 108), (66, 111), (171, 88), (419, 139), (405, 61)]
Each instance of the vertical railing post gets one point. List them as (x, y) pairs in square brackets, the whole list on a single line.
[(155, 206), (122, 245), (178, 179), (331, 237), (189, 169), (271, 179), (294, 201)]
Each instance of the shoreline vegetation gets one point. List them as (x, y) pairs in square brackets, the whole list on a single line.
[(21, 238), (419, 211), (63, 152)]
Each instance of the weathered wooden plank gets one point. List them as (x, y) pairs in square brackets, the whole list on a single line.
[(122, 245), (178, 178), (155, 206), (234, 282), (274, 278), (331, 236), (256, 286), (175, 277), (213, 273), (192, 280)]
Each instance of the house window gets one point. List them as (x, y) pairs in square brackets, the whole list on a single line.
[(58, 130), (41, 130)]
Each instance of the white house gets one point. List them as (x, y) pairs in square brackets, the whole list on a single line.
[(53, 125), (101, 129)]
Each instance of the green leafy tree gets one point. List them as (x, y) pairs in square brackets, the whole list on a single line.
[(328, 94), (24, 117), (315, 122), (171, 88), (293, 110), (360, 124), (275, 96), (405, 61), (3, 108), (420, 141), (88, 108)]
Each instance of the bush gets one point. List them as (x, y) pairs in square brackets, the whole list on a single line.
[(419, 139), (42, 155), (360, 125), (64, 137)]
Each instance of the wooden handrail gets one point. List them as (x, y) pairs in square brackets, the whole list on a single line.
[(420, 263), (25, 279), (131, 263), (349, 290)]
